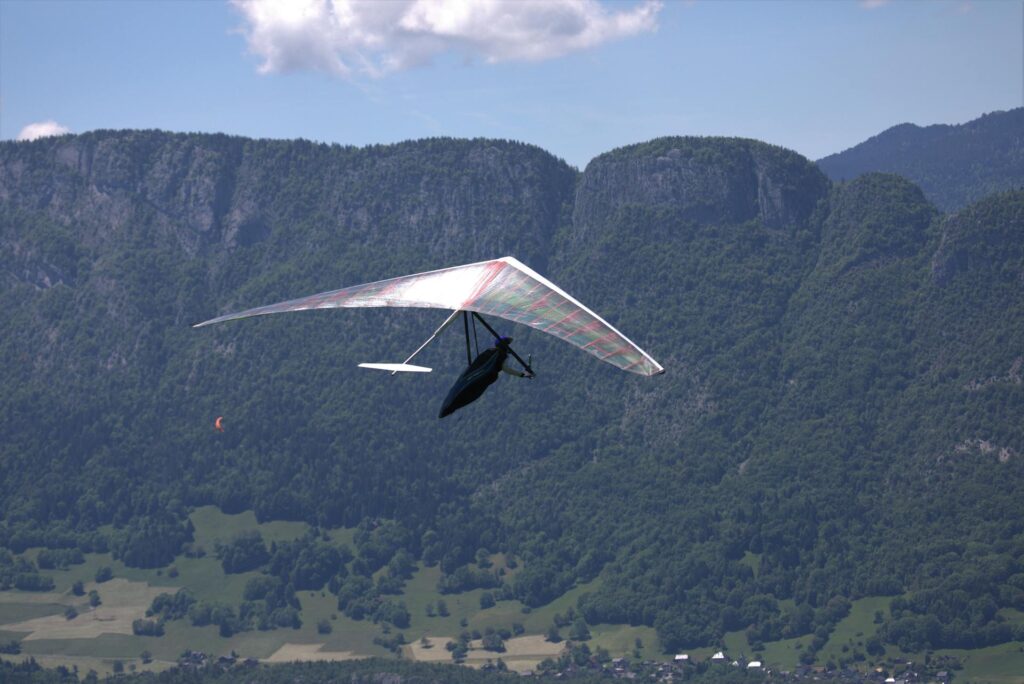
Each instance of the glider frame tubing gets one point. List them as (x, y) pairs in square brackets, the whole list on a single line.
[(511, 351), (465, 324), (447, 322)]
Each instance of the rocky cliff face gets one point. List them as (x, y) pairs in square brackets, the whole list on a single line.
[(718, 233), (211, 194), (704, 180)]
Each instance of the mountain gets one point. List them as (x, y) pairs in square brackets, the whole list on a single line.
[(839, 417), (954, 165)]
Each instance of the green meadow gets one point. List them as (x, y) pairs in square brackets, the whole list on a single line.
[(205, 578)]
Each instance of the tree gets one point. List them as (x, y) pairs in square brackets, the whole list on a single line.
[(493, 642), (172, 607), (243, 553), (579, 630), (393, 612), (150, 628)]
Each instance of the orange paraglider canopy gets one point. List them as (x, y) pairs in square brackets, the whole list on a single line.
[(218, 424)]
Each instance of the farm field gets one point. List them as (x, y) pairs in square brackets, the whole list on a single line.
[(101, 666), (97, 637), (123, 602), (289, 653), (1003, 664), (521, 654), (100, 636)]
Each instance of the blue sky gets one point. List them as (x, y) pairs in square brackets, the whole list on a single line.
[(577, 79)]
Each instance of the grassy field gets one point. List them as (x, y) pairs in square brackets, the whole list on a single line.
[(851, 633), (422, 590), (522, 654), (784, 654), (96, 638), (16, 611), (308, 652), (620, 640), (123, 602), (101, 666), (737, 646), (211, 526), (856, 628), (1014, 617), (1003, 664), (37, 619)]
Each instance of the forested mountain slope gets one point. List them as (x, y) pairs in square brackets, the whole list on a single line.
[(839, 417), (954, 165)]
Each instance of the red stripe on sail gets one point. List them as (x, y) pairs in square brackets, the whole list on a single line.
[(564, 319), (493, 269), (599, 339)]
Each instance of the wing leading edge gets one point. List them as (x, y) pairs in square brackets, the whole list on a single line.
[(504, 287)]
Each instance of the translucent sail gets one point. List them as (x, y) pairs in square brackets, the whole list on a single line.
[(502, 287)]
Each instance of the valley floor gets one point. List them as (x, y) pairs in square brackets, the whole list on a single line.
[(100, 637)]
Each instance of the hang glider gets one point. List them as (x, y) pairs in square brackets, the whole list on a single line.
[(503, 287)]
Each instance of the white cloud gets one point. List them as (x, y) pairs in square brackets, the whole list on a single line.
[(873, 4), (360, 37), (42, 129)]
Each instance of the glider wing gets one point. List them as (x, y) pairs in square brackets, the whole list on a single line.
[(504, 287)]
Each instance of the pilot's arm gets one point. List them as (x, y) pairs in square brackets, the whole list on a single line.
[(515, 371)]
